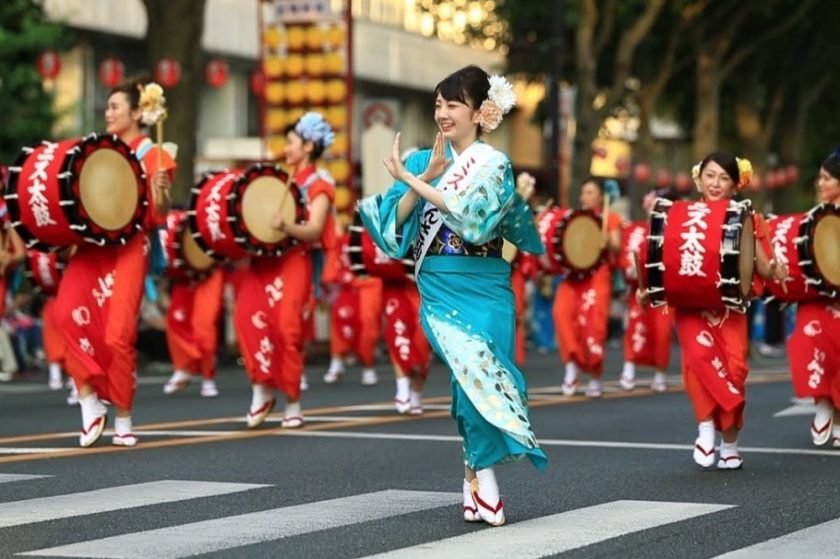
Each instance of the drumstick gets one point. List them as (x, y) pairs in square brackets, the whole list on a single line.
[(639, 276), (604, 220), (283, 204), (782, 282), (159, 128)]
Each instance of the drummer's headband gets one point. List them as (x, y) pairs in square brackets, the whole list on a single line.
[(313, 128), (745, 173)]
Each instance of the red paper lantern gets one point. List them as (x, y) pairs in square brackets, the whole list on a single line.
[(257, 83), (641, 172), (168, 72), (622, 165), (48, 64), (755, 182), (792, 173), (770, 180), (683, 181), (111, 71), (663, 178), (216, 72)]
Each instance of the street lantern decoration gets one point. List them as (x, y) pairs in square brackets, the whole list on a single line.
[(770, 180), (756, 182), (682, 181), (168, 72), (641, 172), (792, 174), (257, 83), (111, 71), (663, 178), (48, 64), (216, 72)]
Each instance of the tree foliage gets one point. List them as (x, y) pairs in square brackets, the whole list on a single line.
[(25, 103)]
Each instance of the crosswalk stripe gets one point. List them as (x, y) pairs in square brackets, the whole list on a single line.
[(549, 535), (246, 529), (7, 478), (17, 513), (815, 542)]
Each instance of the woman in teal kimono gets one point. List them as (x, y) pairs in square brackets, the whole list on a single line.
[(452, 205)]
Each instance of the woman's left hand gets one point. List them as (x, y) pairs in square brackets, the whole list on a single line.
[(394, 163), (778, 270), (162, 184), (277, 222)]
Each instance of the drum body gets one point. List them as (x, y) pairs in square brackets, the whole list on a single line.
[(367, 259), (44, 270), (573, 242), (633, 239), (231, 212), (184, 258), (91, 189), (809, 245), (700, 255)]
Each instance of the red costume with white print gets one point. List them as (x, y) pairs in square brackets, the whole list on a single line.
[(814, 351), (273, 301), (581, 311), (523, 269), (99, 301), (192, 331), (407, 344)]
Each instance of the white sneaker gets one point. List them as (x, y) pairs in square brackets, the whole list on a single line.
[(177, 382), (209, 388), (369, 377), (593, 389), (304, 383), (333, 376)]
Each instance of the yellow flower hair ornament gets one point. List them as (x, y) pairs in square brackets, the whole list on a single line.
[(745, 172)]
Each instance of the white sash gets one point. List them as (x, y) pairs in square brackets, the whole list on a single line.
[(460, 173)]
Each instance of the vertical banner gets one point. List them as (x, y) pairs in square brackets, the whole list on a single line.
[(306, 65)]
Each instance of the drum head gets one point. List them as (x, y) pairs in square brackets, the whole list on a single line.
[(746, 261), (827, 248), (582, 242), (195, 257), (108, 189), (261, 201)]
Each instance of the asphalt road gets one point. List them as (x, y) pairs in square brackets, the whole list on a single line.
[(360, 480)]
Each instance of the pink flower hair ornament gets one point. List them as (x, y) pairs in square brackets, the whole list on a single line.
[(500, 100)]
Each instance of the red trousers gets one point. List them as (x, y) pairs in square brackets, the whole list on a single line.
[(98, 305), (344, 321), (714, 364), (370, 318), (814, 351), (407, 344), (647, 335), (53, 339), (581, 311), (517, 284), (271, 305), (192, 322)]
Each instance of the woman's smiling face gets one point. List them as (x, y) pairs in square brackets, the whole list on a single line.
[(715, 183), (455, 119)]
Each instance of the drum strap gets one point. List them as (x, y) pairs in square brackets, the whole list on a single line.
[(462, 170)]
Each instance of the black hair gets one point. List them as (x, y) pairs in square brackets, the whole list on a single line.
[(317, 147), (131, 88), (597, 182), (469, 85), (727, 162), (832, 164)]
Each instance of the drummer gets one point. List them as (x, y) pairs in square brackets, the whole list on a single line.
[(275, 291), (814, 346), (713, 343), (101, 354), (581, 306)]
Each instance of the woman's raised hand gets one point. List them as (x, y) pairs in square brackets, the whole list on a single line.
[(438, 163), (394, 163)]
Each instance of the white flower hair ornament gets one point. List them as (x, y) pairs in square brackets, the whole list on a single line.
[(500, 100), (313, 128), (695, 175)]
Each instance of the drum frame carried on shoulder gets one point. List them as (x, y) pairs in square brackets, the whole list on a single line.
[(807, 251), (729, 283), (357, 240), (73, 224), (562, 258)]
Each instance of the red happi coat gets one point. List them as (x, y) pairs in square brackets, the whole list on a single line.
[(581, 311), (98, 304), (715, 348), (814, 351), (523, 269), (274, 300)]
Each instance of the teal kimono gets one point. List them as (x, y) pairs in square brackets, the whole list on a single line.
[(467, 306)]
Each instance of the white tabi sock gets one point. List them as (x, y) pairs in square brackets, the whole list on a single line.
[(55, 372), (122, 426), (572, 373), (706, 434), (91, 409), (629, 370), (728, 449), (403, 387), (260, 395), (488, 489), (415, 399), (336, 365), (292, 410), (825, 411)]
